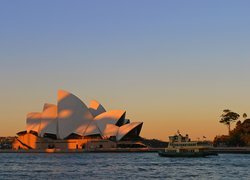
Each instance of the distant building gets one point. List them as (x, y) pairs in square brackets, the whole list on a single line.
[(6, 142), (221, 141), (72, 125)]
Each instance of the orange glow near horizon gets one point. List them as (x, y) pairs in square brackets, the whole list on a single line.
[(159, 121), (158, 129)]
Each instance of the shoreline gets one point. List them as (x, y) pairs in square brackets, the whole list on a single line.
[(219, 150), (232, 150), (148, 150)]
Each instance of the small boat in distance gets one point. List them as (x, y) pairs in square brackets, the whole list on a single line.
[(182, 146)]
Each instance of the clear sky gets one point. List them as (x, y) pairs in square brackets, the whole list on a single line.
[(171, 64)]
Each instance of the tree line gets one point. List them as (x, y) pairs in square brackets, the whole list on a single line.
[(240, 135)]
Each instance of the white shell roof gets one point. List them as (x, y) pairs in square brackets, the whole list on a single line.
[(109, 117), (92, 129), (49, 120), (47, 105), (125, 129), (73, 115), (110, 130), (96, 108), (33, 122)]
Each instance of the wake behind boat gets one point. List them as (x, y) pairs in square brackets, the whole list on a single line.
[(182, 146)]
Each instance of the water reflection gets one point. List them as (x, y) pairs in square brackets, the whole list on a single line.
[(122, 165)]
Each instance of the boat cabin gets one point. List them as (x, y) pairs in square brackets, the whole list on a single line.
[(179, 143)]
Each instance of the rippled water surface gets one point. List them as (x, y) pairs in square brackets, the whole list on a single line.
[(122, 166)]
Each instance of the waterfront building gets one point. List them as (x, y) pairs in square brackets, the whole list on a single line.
[(73, 125)]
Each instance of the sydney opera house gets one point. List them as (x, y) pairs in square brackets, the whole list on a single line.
[(72, 125)]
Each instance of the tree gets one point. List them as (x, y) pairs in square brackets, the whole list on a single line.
[(244, 115), (238, 125), (228, 117)]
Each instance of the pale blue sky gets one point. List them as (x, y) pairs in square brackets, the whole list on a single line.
[(152, 58)]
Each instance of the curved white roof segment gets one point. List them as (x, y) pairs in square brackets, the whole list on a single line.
[(110, 130), (47, 105), (96, 108), (49, 120), (33, 121), (109, 117), (92, 129), (125, 129), (73, 115)]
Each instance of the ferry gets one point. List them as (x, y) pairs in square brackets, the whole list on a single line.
[(182, 146)]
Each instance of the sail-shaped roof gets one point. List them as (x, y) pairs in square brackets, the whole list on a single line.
[(49, 120), (110, 130), (125, 129), (109, 117), (92, 129), (73, 115), (33, 121), (96, 108)]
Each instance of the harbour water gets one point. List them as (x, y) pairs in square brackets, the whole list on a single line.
[(121, 166)]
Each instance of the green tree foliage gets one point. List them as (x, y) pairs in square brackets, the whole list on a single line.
[(228, 117)]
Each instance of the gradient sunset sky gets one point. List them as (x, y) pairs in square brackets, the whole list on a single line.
[(175, 65)]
